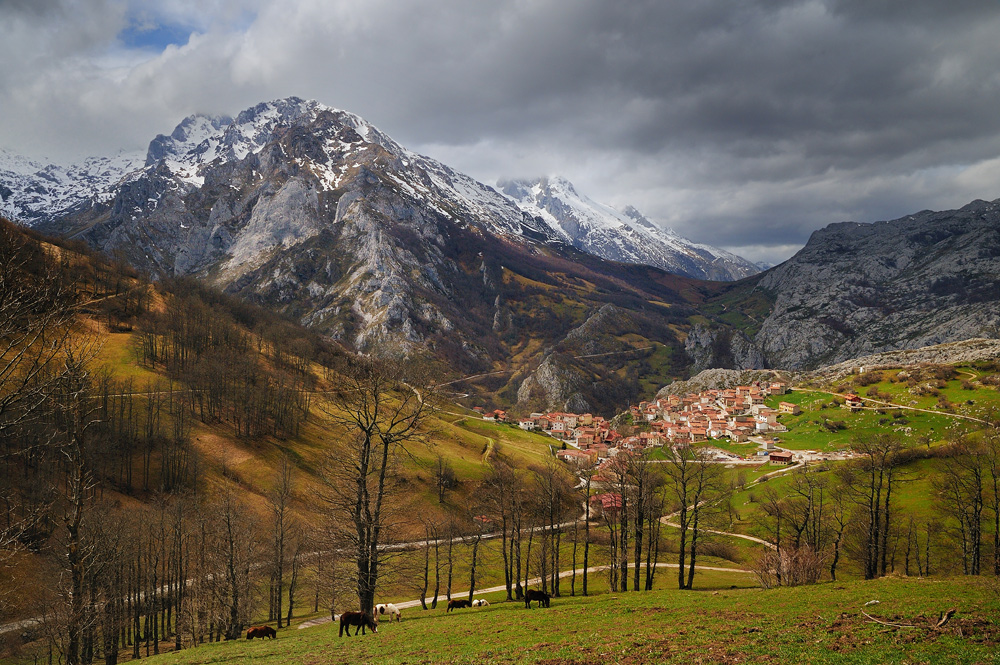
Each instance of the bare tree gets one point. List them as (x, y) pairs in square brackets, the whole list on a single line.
[(696, 485), (871, 482), (444, 476), (556, 500), (36, 311), (502, 491), (430, 540), (962, 488), (279, 503), (293, 581), (381, 414), (37, 306), (474, 538), (991, 446), (234, 552), (74, 411), (588, 479)]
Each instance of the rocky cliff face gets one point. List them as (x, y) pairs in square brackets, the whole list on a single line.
[(715, 379), (721, 347), (859, 289)]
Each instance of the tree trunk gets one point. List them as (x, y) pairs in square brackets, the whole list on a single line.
[(427, 568), (292, 583), (586, 536)]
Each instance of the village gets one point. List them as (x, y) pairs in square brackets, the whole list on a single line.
[(738, 414)]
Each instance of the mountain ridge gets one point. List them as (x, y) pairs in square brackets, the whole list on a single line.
[(315, 212), (625, 236), (860, 289)]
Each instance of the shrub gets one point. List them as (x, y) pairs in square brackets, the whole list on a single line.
[(721, 549), (943, 372), (868, 378), (835, 425), (792, 567)]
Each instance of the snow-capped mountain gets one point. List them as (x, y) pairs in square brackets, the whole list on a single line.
[(30, 191), (621, 236), (313, 211), (242, 200)]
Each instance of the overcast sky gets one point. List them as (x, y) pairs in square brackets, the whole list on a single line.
[(745, 124)]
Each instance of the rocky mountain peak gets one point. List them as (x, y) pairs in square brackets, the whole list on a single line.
[(186, 137), (626, 236)]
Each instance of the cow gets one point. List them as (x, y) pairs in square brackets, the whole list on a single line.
[(534, 594), (456, 604), (390, 609), (261, 632), (359, 619)]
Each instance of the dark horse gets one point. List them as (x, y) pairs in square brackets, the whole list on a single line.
[(261, 632), (359, 619), (456, 604), (534, 594)]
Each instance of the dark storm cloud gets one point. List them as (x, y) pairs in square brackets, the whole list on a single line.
[(742, 124)]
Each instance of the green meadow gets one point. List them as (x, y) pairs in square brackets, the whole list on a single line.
[(721, 621)]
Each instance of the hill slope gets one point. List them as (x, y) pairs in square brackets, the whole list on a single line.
[(817, 624)]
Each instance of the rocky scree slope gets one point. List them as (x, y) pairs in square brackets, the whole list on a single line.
[(621, 236)]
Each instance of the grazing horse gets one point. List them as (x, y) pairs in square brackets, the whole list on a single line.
[(534, 594), (456, 604), (261, 632), (359, 619), (390, 609), (480, 602)]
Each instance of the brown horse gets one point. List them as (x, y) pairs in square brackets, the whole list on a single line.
[(359, 619), (261, 632), (455, 604), (534, 594)]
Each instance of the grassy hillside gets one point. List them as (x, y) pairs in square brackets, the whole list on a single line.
[(185, 397), (713, 624)]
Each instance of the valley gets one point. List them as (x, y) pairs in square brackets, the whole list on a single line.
[(194, 393), (286, 367)]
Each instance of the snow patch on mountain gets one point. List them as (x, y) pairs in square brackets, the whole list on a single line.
[(625, 236)]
